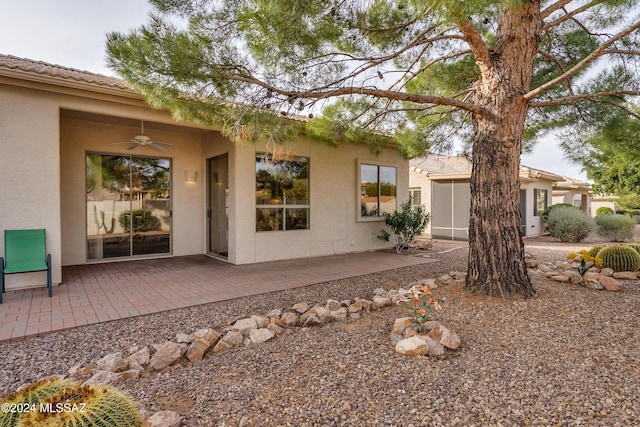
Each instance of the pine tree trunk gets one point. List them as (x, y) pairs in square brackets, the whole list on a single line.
[(497, 265)]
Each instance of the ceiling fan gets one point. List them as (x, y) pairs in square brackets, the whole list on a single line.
[(142, 140)]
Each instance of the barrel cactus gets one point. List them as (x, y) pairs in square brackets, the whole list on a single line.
[(31, 396), (620, 258), (88, 406), (593, 252), (635, 246)]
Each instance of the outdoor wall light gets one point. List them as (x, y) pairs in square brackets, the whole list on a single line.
[(190, 176)]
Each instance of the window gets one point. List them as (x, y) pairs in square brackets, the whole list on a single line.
[(377, 190), (416, 196), (282, 193), (539, 201)]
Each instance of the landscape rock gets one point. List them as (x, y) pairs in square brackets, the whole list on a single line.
[(276, 313), (414, 346), (166, 355), (211, 336), (197, 349), (379, 301), (278, 330), (289, 318), (261, 321), (80, 372), (332, 305), (182, 338), (624, 275), (607, 272), (436, 349), (258, 336), (593, 284), (311, 320), (340, 314), (244, 325), (401, 324), (113, 362), (231, 339), (164, 419), (560, 278), (610, 284), (300, 307), (141, 356), (379, 291), (446, 337)]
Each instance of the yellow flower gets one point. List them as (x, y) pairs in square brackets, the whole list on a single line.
[(572, 255)]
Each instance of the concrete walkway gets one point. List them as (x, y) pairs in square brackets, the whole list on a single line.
[(97, 293)]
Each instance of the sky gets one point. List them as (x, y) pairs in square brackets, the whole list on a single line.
[(72, 33)]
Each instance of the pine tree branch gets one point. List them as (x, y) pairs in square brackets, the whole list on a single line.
[(586, 96), (477, 45), (567, 16), (553, 7), (601, 50)]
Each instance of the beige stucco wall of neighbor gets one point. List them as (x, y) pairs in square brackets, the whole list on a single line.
[(535, 226), (30, 167), (418, 180), (533, 222)]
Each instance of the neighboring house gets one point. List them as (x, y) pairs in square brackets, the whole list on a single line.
[(574, 192), (68, 165), (441, 183), (604, 200)]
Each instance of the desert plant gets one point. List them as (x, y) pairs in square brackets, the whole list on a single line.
[(593, 252), (635, 246), (28, 398), (406, 224), (569, 224), (619, 258), (616, 228), (604, 210), (546, 212), (143, 220), (86, 406)]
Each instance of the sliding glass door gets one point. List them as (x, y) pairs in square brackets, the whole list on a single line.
[(128, 206)]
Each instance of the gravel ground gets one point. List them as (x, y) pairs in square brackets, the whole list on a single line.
[(568, 356)]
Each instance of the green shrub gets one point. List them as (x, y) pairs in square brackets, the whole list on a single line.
[(620, 258), (142, 220), (406, 224), (616, 228), (546, 212), (604, 210), (569, 224)]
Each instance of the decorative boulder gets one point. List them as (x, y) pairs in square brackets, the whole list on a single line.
[(445, 337), (167, 354), (414, 346)]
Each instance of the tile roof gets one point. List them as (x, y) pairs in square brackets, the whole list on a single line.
[(32, 67)]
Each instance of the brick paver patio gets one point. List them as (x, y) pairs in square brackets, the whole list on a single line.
[(101, 292)]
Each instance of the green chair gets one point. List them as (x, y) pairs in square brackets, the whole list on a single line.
[(25, 251)]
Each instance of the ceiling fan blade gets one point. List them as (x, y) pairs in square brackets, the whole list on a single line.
[(133, 146), (157, 146), (163, 143)]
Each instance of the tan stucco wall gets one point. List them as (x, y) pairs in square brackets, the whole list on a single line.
[(334, 204), (81, 136), (30, 171), (44, 143)]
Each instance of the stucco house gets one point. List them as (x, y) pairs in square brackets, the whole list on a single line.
[(573, 191), (78, 160), (441, 184)]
